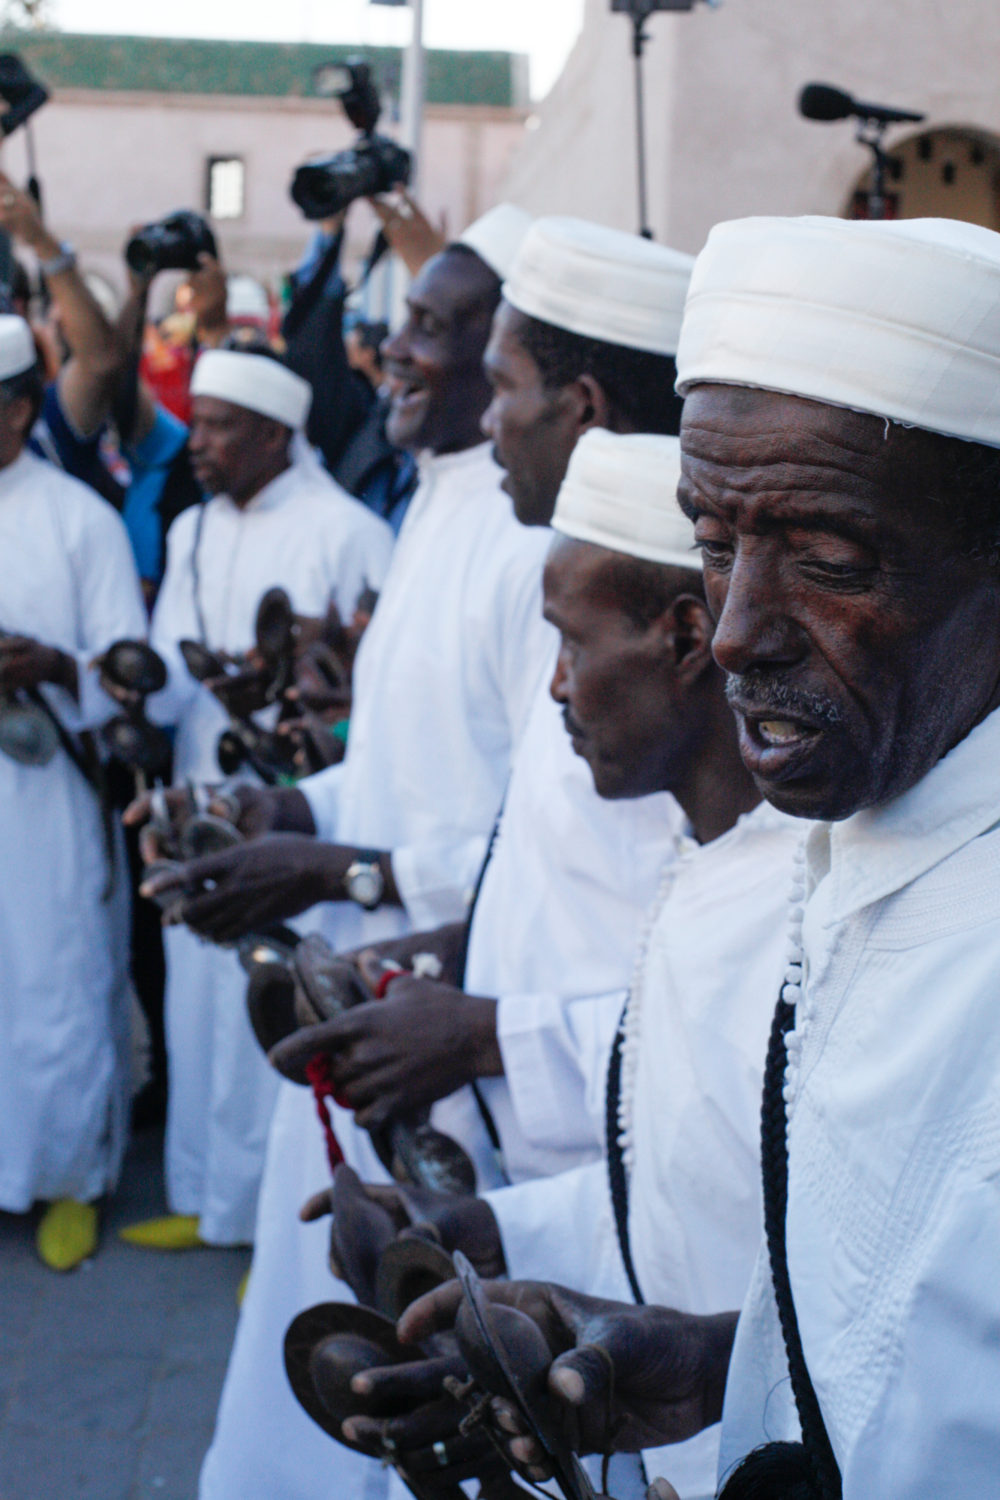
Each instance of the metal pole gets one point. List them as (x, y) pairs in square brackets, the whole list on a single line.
[(871, 133), (639, 39), (413, 88)]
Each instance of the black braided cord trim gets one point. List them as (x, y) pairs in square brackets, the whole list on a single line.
[(617, 1178)]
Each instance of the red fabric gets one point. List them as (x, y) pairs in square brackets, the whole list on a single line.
[(318, 1074), (388, 976)]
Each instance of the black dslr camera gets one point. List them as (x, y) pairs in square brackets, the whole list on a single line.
[(328, 184), (22, 93), (171, 244)]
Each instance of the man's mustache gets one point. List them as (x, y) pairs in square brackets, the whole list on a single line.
[(757, 693)]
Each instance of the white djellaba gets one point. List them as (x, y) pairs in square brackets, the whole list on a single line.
[(443, 682), (304, 533), (893, 1130), (67, 579)]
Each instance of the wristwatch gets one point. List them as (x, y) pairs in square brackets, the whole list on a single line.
[(364, 881), (65, 260)]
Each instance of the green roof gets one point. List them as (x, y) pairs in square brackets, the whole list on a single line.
[(275, 69)]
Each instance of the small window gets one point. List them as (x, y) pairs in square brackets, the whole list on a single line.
[(225, 187)]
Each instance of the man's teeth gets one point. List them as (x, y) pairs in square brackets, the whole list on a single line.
[(778, 731)]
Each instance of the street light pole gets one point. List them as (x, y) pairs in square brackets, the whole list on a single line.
[(413, 88)]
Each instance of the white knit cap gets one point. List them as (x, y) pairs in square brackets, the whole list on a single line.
[(17, 346), (255, 382), (601, 283), (898, 319), (620, 492), (496, 236)]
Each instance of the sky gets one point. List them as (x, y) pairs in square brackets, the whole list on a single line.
[(508, 25)]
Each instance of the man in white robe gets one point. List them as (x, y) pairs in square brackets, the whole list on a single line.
[(68, 590), (686, 1093), (443, 681), (841, 449), (275, 518), (584, 338)]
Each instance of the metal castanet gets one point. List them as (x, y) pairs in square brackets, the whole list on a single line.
[(508, 1357), (134, 668), (325, 1347)]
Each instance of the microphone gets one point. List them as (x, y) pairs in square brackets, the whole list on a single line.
[(821, 101)]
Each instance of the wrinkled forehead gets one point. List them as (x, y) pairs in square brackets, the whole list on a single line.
[(739, 440)]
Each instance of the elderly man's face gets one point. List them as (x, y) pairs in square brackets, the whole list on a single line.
[(861, 644), (434, 363)]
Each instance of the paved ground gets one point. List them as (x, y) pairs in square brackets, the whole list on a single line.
[(110, 1376)]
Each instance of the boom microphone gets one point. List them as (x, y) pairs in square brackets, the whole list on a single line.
[(821, 101)]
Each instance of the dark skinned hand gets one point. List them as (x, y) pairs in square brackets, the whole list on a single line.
[(27, 663), (322, 682), (244, 691), (622, 1376), (360, 1231), (394, 1056), (445, 943), (260, 810), (367, 1216), (255, 885), (314, 745)]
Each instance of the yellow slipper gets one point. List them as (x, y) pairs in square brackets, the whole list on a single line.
[(66, 1234), (241, 1290), (171, 1232)]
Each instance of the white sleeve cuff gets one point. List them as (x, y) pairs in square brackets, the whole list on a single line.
[(436, 881), (322, 792), (561, 1229)]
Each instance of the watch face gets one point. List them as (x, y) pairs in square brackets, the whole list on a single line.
[(365, 884)]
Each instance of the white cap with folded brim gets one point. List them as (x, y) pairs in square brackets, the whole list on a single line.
[(255, 382), (17, 346), (601, 283), (899, 319), (620, 492), (496, 236)]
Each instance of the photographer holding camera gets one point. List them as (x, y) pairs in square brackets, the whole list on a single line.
[(349, 412)]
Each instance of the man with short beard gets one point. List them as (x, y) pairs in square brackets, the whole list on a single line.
[(840, 442)]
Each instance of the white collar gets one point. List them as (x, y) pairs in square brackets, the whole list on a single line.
[(275, 493), (12, 474), (882, 849), (454, 463)]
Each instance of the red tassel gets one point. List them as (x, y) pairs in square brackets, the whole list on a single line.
[(318, 1074)]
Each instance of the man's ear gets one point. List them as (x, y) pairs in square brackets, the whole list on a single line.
[(591, 405), (279, 439), (688, 628)]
